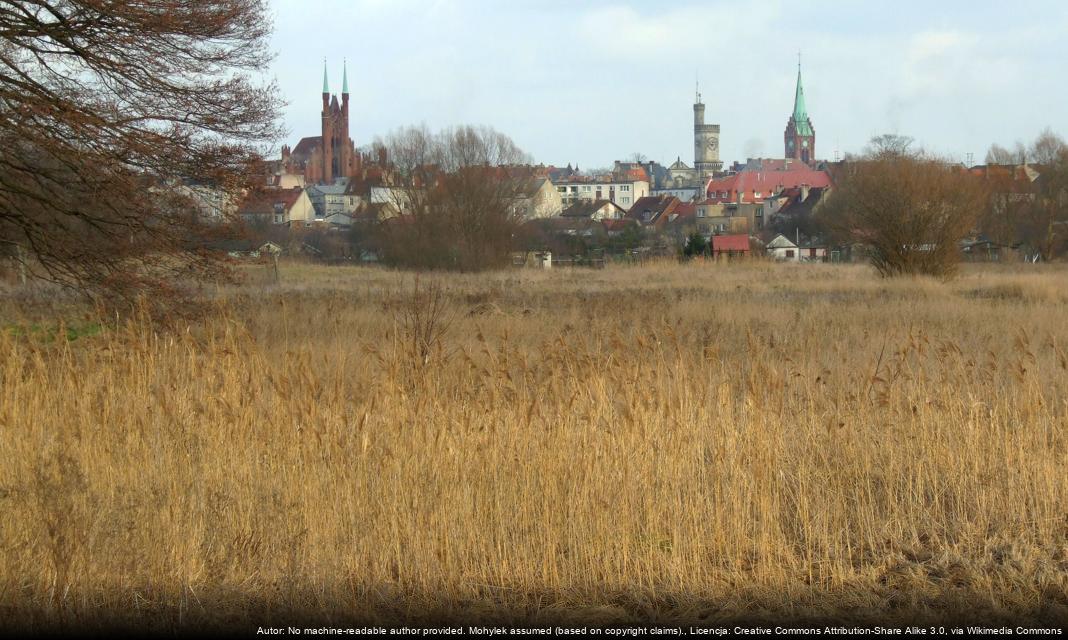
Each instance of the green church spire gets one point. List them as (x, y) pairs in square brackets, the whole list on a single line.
[(344, 77), (801, 121), (326, 85)]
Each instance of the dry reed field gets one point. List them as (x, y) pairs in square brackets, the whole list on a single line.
[(669, 443)]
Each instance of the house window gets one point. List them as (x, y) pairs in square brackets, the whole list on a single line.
[(701, 213), (789, 253), (586, 188), (626, 200)]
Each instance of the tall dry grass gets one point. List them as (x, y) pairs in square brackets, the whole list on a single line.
[(700, 442)]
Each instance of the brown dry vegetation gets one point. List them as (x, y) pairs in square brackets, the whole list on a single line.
[(696, 443)]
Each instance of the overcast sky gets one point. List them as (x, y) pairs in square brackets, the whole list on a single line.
[(592, 82)]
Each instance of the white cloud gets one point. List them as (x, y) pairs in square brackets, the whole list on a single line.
[(623, 31)]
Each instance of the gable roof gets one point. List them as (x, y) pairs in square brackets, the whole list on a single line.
[(586, 208), (796, 205), (654, 206), (749, 183), (531, 187), (781, 242), (307, 146), (734, 242), (269, 201), (682, 214)]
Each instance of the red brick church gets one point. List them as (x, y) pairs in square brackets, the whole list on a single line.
[(332, 155)]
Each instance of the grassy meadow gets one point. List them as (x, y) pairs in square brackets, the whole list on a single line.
[(694, 443)]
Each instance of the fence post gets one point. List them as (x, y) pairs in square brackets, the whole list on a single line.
[(22, 264)]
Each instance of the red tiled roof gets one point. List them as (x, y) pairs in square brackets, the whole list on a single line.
[(307, 145), (763, 182), (264, 201), (657, 206), (686, 209), (739, 242), (684, 213)]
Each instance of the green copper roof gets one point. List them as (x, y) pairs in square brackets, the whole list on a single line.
[(801, 121), (344, 77), (326, 86)]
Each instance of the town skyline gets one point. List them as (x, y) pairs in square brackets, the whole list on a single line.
[(958, 81)]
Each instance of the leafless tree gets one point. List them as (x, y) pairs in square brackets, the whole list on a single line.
[(889, 144), (1044, 221), (109, 111), (1009, 195), (1029, 204), (1000, 155), (908, 209), (457, 198), (1047, 149)]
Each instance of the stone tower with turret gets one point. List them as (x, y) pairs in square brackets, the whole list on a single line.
[(705, 142)]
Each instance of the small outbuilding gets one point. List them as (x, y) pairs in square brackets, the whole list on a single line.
[(730, 245)]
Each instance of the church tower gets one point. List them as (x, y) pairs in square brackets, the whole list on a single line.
[(336, 149), (705, 142), (328, 133), (800, 135)]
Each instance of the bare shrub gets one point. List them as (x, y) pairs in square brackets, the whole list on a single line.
[(908, 209), (423, 317), (457, 199)]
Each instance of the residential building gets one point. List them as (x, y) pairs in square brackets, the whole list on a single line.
[(538, 199), (276, 206), (651, 210), (212, 203), (296, 207), (754, 186), (593, 210), (679, 223), (333, 203), (783, 249), (623, 192), (714, 218)]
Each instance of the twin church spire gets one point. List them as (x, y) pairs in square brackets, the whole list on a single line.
[(344, 78)]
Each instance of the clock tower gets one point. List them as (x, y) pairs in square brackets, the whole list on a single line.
[(705, 142), (800, 135)]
